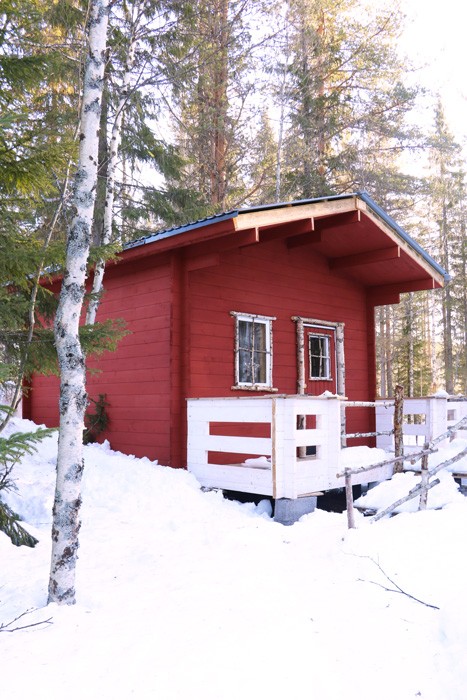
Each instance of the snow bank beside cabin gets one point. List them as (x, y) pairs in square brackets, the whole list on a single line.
[(182, 593)]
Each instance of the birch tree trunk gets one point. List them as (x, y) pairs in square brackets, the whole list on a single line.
[(73, 398), (114, 149)]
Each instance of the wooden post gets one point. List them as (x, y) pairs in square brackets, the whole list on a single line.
[(301, 381), (343, 426), (424, 480), (349, 499), (398, 427)]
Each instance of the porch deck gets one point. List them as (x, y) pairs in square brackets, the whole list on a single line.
[(256, 445)]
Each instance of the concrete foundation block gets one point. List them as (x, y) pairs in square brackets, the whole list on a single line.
[(288, 510)]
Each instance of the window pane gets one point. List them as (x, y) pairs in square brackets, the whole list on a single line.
[(260, 336), (253, 351), (260, 367), (319, 349), (245, 334), (244, 367)]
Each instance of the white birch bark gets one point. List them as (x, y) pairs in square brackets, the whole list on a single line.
[(73, 398), (115, 141)]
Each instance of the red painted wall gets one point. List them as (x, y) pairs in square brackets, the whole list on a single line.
[(136, 378), (274, 281), (182, 338)]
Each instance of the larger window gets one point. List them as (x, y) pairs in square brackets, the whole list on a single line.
[(253, 351)]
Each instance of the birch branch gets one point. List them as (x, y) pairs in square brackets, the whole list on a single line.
[(412, 494), (447, 462), (453, 429), (410, 458), (5, 626), (397, 588)]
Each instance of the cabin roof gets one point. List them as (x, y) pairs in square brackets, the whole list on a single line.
[(356, 235)]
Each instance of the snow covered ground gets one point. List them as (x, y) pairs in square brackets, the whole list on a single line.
[(182, 594)]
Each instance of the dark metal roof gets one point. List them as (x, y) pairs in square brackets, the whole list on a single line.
[(225, 216)]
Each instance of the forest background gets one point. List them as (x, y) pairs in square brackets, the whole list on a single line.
[(218, 105)]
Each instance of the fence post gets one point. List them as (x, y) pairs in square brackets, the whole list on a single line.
[(398, 427), (349, 499), (424, 480)]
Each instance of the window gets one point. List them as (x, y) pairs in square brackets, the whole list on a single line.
[(253, 351), (319, 348)]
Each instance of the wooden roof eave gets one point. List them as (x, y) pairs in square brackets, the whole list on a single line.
[(290, 214), (409, 248), (300, 223)]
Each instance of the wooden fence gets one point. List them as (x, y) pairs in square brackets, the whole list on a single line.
[(425, 484)]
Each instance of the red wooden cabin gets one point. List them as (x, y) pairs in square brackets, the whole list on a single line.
[(216, 309)]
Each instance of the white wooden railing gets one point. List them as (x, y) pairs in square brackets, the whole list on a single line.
[(291, 461), (424, 419), (287, 473)]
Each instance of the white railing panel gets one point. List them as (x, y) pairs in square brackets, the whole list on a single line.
[(457, 409), (233, 478), (416, 405), (309, 437), (242, 445), (241, 410)]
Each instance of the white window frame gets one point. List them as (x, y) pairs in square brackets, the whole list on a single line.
[(267, 322), (327, 357)]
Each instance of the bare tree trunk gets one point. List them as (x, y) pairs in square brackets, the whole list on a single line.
[(382, 353), (434, 357), (410, 344), (219, 104), (111, 171), (424, 479), (102, 169), (463, 360), (447, 310), (73, 398), (388, 345), (280, 135), (398, 427)]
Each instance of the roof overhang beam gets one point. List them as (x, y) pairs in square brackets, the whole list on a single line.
[(372, 256)]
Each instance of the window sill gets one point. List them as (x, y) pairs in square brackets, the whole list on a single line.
[(254, 387)]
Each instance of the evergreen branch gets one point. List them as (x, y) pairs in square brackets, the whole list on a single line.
[(17, 394), (10, 526)]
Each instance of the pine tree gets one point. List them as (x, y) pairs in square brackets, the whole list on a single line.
[(447, 200), (36, 147), (216, 98), (346, 94)]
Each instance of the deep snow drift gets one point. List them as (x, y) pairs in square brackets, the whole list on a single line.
[(183, 594)]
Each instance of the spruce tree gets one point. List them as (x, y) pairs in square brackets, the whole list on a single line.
[(346, 94), (447, 204)]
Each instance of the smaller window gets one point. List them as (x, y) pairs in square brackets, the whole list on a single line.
[(319, 349), (253, 351)]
